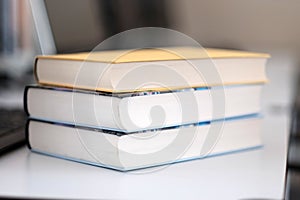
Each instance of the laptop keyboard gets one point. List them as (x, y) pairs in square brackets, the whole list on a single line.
[(11, 119)]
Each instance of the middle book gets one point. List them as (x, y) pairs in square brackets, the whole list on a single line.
[(131, 112)]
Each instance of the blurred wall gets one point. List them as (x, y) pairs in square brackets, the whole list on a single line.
[(270, 26), (255, 24)]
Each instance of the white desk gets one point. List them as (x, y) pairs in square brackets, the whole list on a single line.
[(252, 174)]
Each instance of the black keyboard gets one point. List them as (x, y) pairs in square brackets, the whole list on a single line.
[(12, 128), (11, 119)]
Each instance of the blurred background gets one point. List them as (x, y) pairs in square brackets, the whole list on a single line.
[(265, 26), (270, 26)]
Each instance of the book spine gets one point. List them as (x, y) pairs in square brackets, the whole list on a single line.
[(27, 134), (35, 66), (25, 100)]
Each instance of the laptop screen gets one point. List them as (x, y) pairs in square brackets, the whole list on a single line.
[(76, 25), (81, 25)]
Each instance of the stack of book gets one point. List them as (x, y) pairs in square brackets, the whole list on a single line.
[(127, 110)]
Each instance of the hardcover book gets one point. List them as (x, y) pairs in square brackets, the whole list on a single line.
[(151, 69), (129, 112), (124, 152)]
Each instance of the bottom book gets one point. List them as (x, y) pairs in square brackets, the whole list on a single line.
[(125, 152)]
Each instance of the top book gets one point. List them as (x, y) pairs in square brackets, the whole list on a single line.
[(156, 69)]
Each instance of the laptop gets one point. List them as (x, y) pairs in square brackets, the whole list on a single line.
[(15, 59), (12, 116), (81, 28)]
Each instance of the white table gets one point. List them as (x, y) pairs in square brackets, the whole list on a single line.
[(246, 175), (252, 174)]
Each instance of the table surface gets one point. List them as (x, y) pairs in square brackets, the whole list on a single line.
[(245, 175)]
